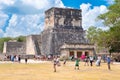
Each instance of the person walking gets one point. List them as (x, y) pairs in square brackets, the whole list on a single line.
[(64, 62), (99, 60), (26, 60), (108, 62), (77, 63), (91, 60), (19, 58), (86, 61), (54, 63)]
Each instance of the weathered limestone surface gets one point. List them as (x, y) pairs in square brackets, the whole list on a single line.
[(14, 48), (61, 26), (33, 44)]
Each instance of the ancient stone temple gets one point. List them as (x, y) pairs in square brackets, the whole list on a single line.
[(62, 35), (63, 26)]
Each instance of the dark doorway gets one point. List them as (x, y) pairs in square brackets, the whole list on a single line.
[(71, 53), (79, 54), (86, 53)]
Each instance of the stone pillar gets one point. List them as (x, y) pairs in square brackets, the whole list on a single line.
[(83, 52), (4, 47), (64, 53), (75, 54)]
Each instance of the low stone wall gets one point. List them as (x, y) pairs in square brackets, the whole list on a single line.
[(14, 48)]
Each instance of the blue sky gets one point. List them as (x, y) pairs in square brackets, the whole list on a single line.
[(26, 17), (76, 3)]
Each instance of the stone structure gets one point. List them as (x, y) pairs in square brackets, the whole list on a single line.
[(62, 34), (13, 47), (77, 49), (33, 45), (62, 25)]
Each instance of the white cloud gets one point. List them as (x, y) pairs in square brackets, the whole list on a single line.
[(110, 1), (1, 32), (89, 15), (58, 3), (38, 4), (24, 25), (7, 2), (27, 16), (3, 18)]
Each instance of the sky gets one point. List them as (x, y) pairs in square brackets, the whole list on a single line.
[(26, 17)]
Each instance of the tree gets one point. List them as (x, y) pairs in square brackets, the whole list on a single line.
[(112, 17), (112, 20), (2, 40), (21, 39), (93, 34), (98, 37)]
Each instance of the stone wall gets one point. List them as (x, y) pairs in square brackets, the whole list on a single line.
[(14, 48), (63, 17), (33, 43), (54, 38)]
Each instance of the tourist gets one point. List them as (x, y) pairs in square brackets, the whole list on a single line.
[(58, 61), (72, 58), (83, 57), (64, 62), (26, 60), (12, 57), (77, 63), (91, 60), (19, 59), (99, 60), (108, 61), (86, 61), (104, 58), (54, 63), (16, 58), (49, 57)]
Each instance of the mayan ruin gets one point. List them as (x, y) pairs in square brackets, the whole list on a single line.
[(63, 34)]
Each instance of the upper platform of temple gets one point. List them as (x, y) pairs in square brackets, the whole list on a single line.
[(63, 18)]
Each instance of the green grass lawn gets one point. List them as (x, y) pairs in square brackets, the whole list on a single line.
[(44, 71)]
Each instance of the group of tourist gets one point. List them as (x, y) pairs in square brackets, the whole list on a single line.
[(15, 58), (43, 57), (98, 61), (87, 59)]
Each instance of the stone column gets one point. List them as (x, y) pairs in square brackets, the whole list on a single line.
[(83, 52), (75, 54)]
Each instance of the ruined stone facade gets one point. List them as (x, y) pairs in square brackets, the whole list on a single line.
[(62, 25), (12, 47), (77, 49), (63, 33)]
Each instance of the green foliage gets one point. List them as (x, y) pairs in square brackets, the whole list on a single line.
[(21, 39), (112, 19), (93, 34), (115, 39), (98, 37), (2, 40), (113, 15)]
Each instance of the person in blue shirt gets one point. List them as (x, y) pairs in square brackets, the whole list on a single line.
[(108, 62)]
